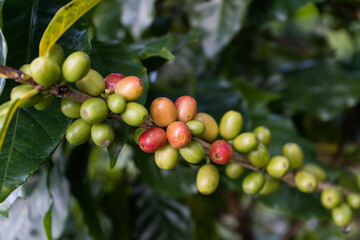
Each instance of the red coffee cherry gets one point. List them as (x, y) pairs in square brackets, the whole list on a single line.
[(152, 139), (130, 88), (220, 152), (163, 111), (178, 134), (112, 79), (186, 108)]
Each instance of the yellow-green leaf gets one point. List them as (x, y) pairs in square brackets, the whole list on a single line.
[(62, 20)]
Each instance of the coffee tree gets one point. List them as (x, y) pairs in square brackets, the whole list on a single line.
[(179, 119)]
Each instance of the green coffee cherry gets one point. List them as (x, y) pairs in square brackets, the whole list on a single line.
[(45, 102), (317, 171), (331, 197), (76, 66), (135, 114), (26, 69), (245, 142), (294, 154), (167, 157), (353, 199), (253, 182), (207, 179), (305, 182), (231, 124), (116, 103), (234, 170), (70, 108), (44, 71), (264, 135), (342, 215), (137, 134), (102, 134), (91, 84), (259, 156), (94, 110), (278, 166), (57, 54), (197, 128), (271, 185), (193, 152), (20, 90), (78, 132)]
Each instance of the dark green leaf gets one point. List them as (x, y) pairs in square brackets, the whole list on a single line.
[(154, 47)]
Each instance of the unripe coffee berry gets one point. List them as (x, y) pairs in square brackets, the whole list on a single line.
[(231, 124), (197, 128), (135, 114), (294, 154), (116, 103), (220, 152), (342, 215), (45, 102), (234, 170), (305, 182), (130, 88), (253, 182), (26, 69), (278, 166), (76, 66), (211, 126), (193, 152), (138, 133), (353, 199), (111, 80), (20, 91), (167, 157), (57, 54), (186, 107), (264, 135), (163, 111), (331, 197), (316, 170), (94, 110), (259, 156), (207, 179), (102, 134), (91, 84), (44, 71), (271, 185), (78, 132), (178, 134), (70, 108), (152, 139), (245, 142)]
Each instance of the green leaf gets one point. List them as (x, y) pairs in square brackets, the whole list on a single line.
[(159, 218), (5, 206), (47, 223), (154, 47), (117, 57), (62, 20)]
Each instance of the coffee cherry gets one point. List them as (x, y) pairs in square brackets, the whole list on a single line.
[(70, 108), (271, 185), (305, 182), (152, 139), (102, 134), (186, 108), (220, 152), (130, 88), (178, 134), (116, 103), (138, 133), (259, 156), (20, 90), (231, 124), (245, 142), (57, 54), (163, 111), (193, 152), (211, 126), (317, 171), (94, 110), (197, 128), (294, 154), (135, 114), (76, 66), (45, 102), (92, 83), (78, 132), (278, 166), (44, 71), (234, 170), (331, 197), (111, 80), (167, 157), (353, 199), (342, 215), (264, 135), (253, 182), (26, 69), (207, 179)]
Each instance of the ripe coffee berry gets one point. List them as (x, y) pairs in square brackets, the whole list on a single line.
[(186, 108), (220, 152), (178, 134), (163, 111), (111, 80), (152, 139), (130, 88)]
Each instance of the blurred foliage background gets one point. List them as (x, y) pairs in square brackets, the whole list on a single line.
[(293, 66)]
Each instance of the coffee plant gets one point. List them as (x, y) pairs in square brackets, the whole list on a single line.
[(123, 119)]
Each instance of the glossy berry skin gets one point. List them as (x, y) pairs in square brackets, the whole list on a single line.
[(44, 71), (231, 124), (245, 142), (234, 170), (94, 110), (45, 102), (135, 114), (253, 182), (294, 154), (331, 197), (76, 66), (353, 199), (197, 128), (70, 108), (207, 179), (342, 215), (211, 126), (91, 84), (57, 54), (186, 107), (271, 185), (20, 90), (259, 156), (152, 139), (263, 134), (167, 157), (316, 170), (130, 88), (220, 152), (102, 134), (163, 111), (193, 152), (138, 133), (278, 166), (116, 103), (78, 132), (111, 80), (305, 182), (178, 134)]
